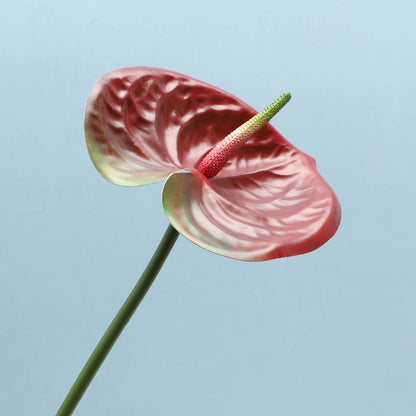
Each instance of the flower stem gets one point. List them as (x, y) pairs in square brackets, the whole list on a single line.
[(119, 322)]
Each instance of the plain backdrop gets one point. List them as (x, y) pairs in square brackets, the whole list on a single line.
[(332, 332)]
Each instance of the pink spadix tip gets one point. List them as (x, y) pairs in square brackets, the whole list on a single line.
[(218, 156)]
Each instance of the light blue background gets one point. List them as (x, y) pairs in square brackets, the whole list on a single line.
[(332, 332)]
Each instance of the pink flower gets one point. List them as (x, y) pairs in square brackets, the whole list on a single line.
[(268, 200)]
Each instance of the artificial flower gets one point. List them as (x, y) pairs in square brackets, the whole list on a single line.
[(147, 124)]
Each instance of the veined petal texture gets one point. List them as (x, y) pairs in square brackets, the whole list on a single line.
[(255, 217), (141, 124)]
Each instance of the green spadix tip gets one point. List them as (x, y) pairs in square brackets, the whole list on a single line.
[(264, 116), (275, 106)]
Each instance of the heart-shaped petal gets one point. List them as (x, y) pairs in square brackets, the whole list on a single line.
[(268, 201)]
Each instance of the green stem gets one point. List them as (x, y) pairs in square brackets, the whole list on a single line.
[(119, 322)]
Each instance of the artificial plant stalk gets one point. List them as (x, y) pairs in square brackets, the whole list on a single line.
[(119, 322)]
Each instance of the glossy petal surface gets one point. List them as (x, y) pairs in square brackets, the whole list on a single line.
[(285, 211), (142, 123)]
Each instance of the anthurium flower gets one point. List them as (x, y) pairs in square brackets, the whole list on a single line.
[(234, 185), (261, 200)]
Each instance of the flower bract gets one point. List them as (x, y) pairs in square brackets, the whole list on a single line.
[(146, 124)]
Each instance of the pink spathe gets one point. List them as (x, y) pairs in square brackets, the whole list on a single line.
[(268, 200)]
